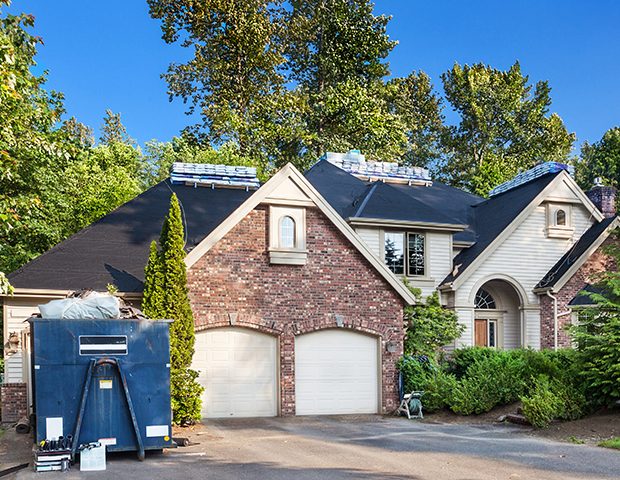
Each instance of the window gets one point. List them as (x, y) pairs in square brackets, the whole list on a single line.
[(484, 300), (287, 232), (287, 235), (560, 217), (396, 250), (492, 333), (559, 221), (415, 249)]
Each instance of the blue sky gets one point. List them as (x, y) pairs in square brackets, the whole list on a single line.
[(110, 54)]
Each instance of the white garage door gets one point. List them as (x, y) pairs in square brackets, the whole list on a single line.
[(237, 367), (336, 372)]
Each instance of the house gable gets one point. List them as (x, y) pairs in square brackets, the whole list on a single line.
[(559, 187), (289, 180)]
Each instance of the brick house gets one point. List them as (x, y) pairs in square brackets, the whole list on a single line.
[(296, 286)]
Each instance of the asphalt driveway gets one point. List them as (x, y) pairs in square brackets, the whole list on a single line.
[(368, 447)]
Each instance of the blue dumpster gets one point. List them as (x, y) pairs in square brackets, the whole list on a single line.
[(102, 381)]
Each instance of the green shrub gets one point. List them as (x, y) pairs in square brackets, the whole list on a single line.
[(462, 358), (488, 382), (429, 325), (185, 393), (573, 400), (420, 373), (542, 405)]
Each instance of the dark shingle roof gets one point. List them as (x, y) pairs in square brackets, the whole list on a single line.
[(115, 248), (582, 299), (575, 253), (352, 197), (493, 216)]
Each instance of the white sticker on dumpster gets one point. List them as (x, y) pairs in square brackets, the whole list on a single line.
[(156, 430), (53, 428), (107, 441)]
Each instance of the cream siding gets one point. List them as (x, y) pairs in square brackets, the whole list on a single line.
[(16, 311), (526, 255), (372, 238)]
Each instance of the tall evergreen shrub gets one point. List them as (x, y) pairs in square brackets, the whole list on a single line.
[(165, 296)]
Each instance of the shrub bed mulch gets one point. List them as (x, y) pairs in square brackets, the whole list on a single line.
[(589, 430)]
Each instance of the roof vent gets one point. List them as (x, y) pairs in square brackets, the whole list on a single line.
[(355, 163), (532, 174), (207, 175)]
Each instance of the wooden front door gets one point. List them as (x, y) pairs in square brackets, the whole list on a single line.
[(480, 333)]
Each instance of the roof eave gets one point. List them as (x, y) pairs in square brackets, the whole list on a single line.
[(380, 222)]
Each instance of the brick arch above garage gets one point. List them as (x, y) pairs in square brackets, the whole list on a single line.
[(235, 277)]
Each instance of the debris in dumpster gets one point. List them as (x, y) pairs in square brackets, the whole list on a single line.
[(90, 305)]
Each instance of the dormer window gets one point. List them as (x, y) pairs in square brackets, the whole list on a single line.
[(287, 235), (560, 217), (559, 221), (287, 232)]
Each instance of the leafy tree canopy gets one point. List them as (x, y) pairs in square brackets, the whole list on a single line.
[(504, 126), (600, 159)]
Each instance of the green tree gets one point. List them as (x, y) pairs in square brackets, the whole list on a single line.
[(334, 41), (600, 159), (419, 108), (166, 297), (597, 336), (113, 130), (234, 65), (504, 122), (429, 326)]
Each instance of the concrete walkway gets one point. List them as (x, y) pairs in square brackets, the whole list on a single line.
[(365, 447)]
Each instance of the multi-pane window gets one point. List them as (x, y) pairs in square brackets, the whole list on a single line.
[(287, 232), (484, 299), (415, 254), (399, 246)]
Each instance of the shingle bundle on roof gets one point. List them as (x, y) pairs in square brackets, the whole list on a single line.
[(354, 162), (205, 174), (531, 174)]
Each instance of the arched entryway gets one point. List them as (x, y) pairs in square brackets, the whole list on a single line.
[(498, 315)]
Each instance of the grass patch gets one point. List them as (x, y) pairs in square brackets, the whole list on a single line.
[(611, 443), (575, 440)]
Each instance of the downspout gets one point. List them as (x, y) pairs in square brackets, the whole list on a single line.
[(555, 319)]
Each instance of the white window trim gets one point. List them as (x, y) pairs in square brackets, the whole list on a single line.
[(426, 276), (297, 255), (559, 231)]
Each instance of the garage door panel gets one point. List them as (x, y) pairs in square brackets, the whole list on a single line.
[(336, 372), (237, 367)]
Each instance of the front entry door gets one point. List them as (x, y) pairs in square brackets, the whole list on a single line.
[(480, 333), (485, 333)]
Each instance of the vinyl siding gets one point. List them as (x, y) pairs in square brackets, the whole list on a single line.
[(438, 256), (372, 239), (16, 312)]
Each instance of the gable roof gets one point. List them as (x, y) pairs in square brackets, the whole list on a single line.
[(356, 199), (498, 216), (289, 172), (493, 216), (115, 248), (566, 266)]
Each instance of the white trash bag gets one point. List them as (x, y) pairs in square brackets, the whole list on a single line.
[(94, 306)]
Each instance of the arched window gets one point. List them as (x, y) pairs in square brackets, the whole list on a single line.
[(484, 300), (560, 217), (287, 232)]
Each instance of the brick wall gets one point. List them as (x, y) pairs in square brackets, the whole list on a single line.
[(235, 276), (597, 263), (14, 401)]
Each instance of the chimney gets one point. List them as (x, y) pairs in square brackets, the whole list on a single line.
[(603, 197)]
